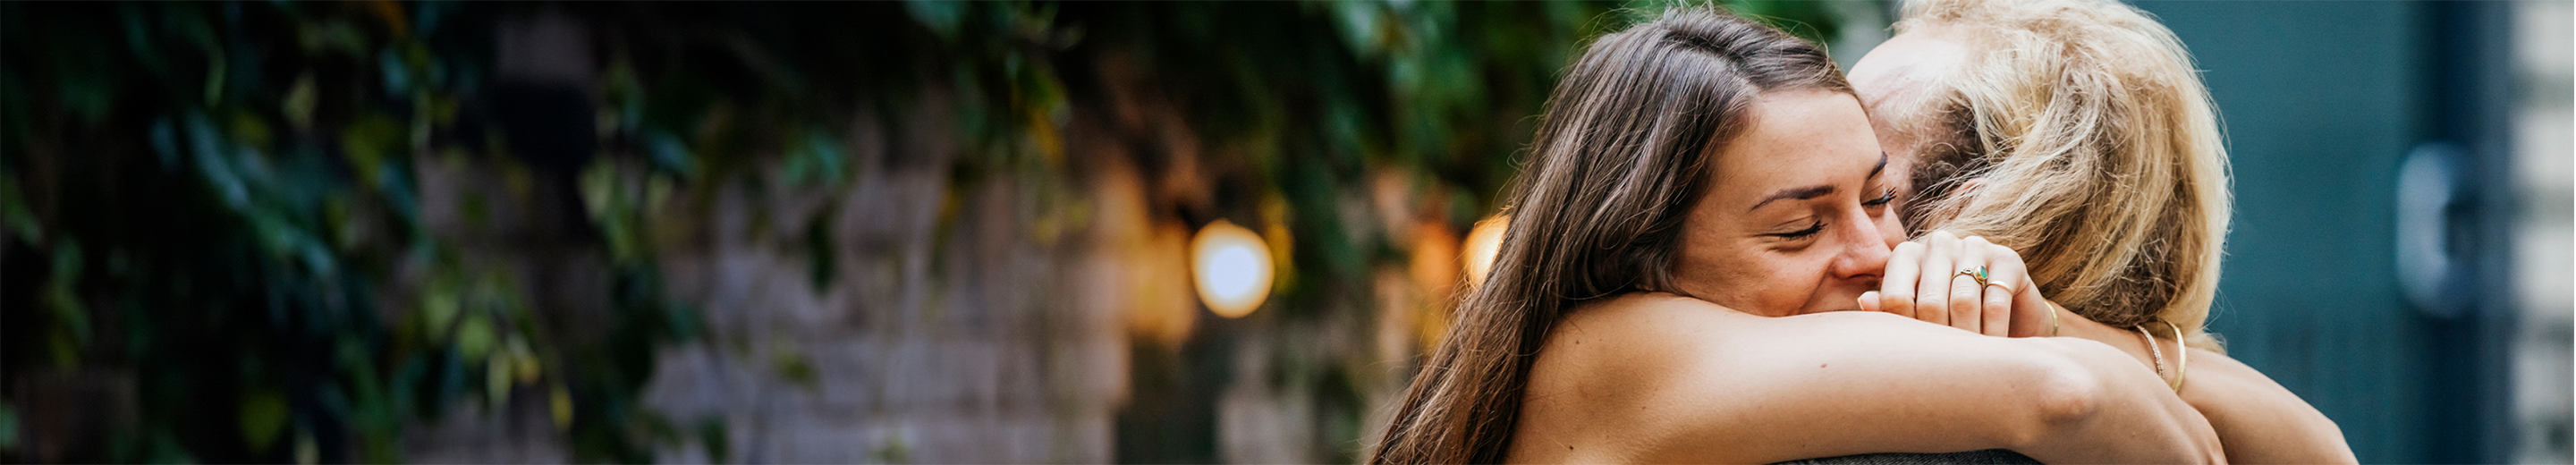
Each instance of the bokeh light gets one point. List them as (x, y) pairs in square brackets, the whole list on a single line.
[(1232, 266), (1482, 244)]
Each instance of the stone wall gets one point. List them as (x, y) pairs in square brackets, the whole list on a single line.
[(948, 333)]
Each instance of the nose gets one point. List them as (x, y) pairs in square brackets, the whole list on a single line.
[(1864, 249)]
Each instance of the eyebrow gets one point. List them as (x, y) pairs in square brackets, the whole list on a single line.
[(1809, 192), (1800, 193)]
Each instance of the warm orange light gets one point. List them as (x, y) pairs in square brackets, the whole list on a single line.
[(1482, 244), (1233, 268)]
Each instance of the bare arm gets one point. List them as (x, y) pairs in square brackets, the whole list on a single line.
[(2260, 421), (1680, 380)]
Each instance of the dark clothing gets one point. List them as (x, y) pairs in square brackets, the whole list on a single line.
[(1988, 456)]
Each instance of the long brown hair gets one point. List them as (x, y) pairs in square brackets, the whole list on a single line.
[(1621, 153)]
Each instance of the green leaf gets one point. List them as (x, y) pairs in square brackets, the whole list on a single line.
[(793, 366), (397, 76), (214, 165), (8, 427), (250, 129), (943, 18), (86, 87), (559, 401), (671, 155), (719, 442), (62, 295), (14, 213), (821, 258), (496, 380), (307, 451), (299, 103), (523, 362), (263, 417), (474, 338), (369, 142), (439, 307)]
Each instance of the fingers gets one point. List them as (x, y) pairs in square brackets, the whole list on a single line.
[(2028, 316), (1997, 312), (2028, 301), (1967, 307), (1896, 285), (1966, 299), (1869, 301), (1923, 280), (1993, 305), (1932, 296)]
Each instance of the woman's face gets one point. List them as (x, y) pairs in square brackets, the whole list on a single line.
[(1796, 218)]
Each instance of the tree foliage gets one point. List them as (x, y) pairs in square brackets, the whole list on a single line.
[(222, 205)]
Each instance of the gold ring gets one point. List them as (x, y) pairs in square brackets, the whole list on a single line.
[(2052, 319), (1977, 273)]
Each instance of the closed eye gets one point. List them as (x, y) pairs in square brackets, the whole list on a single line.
[(1802, 233), (1883, 199)]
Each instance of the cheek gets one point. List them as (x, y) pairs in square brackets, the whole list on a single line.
[(1891, 225), (1764, 282), (1794, 281)]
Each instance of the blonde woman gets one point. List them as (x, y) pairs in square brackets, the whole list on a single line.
[(2076, 133)]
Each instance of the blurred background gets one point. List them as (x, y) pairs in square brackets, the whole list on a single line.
[(1054, 232)]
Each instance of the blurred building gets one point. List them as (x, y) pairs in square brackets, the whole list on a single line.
[(2398, 256)]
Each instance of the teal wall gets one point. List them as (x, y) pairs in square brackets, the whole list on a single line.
[(2320, 100)]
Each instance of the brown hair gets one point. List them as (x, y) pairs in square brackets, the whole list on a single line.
[(2100, 153), (1622, 152)]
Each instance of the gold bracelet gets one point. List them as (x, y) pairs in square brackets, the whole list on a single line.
[(2182, 356), (2157, 352)]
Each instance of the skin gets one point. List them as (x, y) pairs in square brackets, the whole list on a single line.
[(1755, 366), (1757, 238), (2258, 420), (1924, 288)]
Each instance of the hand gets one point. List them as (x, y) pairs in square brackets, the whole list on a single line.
[(1924, 281)]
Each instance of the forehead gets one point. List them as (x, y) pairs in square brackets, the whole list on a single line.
[(1904, 67), (1796, 139)]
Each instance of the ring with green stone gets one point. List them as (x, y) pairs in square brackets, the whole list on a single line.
[(1977, 273)]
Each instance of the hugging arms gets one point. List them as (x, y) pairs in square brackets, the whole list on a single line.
[(1705, 194), (2078, 134)]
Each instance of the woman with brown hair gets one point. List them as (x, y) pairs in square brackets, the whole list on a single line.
[(1703, 195), (2078, 133)]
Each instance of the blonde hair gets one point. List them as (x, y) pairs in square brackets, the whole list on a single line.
[(2098, 148)]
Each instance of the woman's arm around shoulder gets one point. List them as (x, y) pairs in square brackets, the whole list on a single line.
[(1656, 377), (2260, 421)]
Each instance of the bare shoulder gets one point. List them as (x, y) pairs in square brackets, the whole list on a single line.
[(1637, 324), (1594, 381), (1635, 338)]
